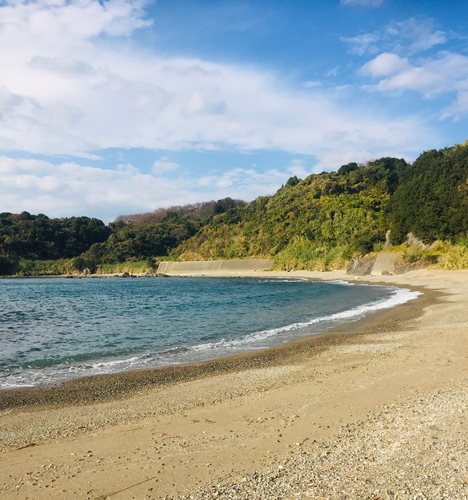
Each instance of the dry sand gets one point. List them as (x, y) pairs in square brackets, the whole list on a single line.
[(378, 412)]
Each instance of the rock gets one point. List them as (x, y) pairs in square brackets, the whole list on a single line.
[(361, 266)]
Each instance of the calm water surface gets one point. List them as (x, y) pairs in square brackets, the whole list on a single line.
[(52, 330)]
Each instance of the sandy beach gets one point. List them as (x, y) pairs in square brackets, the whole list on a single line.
[(376, 410)]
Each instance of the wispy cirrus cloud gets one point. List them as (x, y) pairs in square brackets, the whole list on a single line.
[(398, 65), (362, 3), (404, 38)]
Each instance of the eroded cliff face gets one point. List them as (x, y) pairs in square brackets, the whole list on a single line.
[(383, 264), (362, 265), (389, 263)]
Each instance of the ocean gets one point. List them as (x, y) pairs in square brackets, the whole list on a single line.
[(53, 330)]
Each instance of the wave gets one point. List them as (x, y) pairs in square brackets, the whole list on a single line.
[(399, 296), (33, 377)]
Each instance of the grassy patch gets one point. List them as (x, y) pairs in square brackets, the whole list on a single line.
[(309, 258), (45, 267)]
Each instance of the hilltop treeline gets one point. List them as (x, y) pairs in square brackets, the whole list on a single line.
[(316, 223), (199, 211), (432, 197)]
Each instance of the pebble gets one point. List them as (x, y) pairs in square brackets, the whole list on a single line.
[(415, 450)]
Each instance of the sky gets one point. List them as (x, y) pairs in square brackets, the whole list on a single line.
[(116, 107)]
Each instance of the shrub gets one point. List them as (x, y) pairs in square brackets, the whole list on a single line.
[(413, 254), (456, 258)]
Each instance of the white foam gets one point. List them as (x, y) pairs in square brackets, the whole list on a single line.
[(183, 354), (346, 283), (399, 296)]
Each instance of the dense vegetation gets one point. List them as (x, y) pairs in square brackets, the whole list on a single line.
[(36, 237), (322, 219), (432, 198), (35, 244), (316, 223)]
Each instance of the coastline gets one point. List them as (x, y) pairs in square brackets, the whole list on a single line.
[(119, 385), (307, 389)]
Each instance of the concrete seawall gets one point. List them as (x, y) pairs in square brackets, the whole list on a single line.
[(385, 264), (214, 267)]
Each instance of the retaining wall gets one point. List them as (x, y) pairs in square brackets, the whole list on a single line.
[(206, 267), (384, 264)]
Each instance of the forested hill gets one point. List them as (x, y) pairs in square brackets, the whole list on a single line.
[(80, 243), (327, 216), (316, 223), (36, 237), (432, 197), (323, 220)]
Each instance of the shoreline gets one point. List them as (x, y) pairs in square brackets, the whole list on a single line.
[(118, 385), (378, 411)]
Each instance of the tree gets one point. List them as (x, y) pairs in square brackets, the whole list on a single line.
[(346, 169)]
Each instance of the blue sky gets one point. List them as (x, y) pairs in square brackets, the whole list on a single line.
[(120, 106)]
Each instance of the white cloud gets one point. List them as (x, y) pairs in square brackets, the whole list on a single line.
[(403, 38), (361, 44), (458, 108), (163, 165), (385, 64), (61, 65), (419, 35), (419, 79), (205, 105), (445, 73), (362, 3), (71, 21)]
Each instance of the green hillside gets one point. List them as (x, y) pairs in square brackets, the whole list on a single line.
[(322, 219), (26, 237), (317, 223)]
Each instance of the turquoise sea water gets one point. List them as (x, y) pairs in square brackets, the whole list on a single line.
[(52, 330)]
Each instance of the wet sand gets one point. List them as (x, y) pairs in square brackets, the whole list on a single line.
[(179, 430)]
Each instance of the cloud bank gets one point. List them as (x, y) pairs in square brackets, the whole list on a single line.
[(75, 82), (65, 90), (67, 189)]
